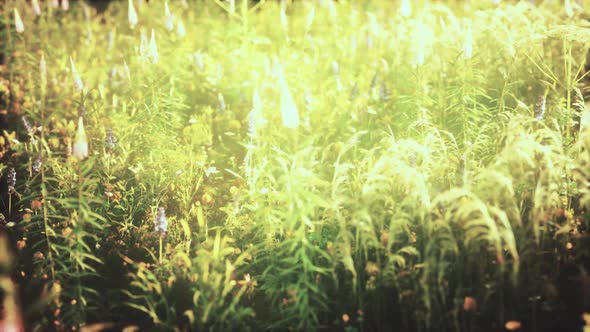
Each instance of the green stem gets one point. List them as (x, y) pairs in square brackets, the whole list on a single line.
[(160, 250)]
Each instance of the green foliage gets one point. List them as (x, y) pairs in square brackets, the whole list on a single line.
[(438, 179)]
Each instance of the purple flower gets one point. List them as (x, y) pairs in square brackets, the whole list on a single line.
[(161, 222), (11, 180)]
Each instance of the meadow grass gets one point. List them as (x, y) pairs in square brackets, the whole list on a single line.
[(351, 165)]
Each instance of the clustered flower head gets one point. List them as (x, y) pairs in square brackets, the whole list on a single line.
[(110, 140), (540, 108), (161, 222), (37, 165), (11, 180)]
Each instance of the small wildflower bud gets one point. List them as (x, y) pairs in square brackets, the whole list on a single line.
[(27, 125), (199, 61), (335, 68), (65, 5), (180, 30), (168, 18), (161, 222), (43, 68), (37, 165), (11, 180), (345, 318), (221, 101), (110, 140), (20, 244), (153, 51), (132, 15), (540, 108), (18, 22), (110, 40), (469, 304), (80, 149), (405, 8), (78, 84), (255, 116), (36, 7), (289, 111), (512, 325)]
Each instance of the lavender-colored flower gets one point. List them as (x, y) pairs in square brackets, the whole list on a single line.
[(110, 140), (161, 222), (30, 129), (37, 165), (540, 108), (11, 179)]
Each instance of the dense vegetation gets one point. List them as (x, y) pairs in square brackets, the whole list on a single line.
[(350, 165)]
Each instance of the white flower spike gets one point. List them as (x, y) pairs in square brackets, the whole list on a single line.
[(289, 110), (80, 149), (18, 22), (132, 15)]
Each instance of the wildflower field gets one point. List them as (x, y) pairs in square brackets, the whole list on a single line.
[(374, 165)]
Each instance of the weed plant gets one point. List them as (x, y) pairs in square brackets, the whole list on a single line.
[(297, 165)]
